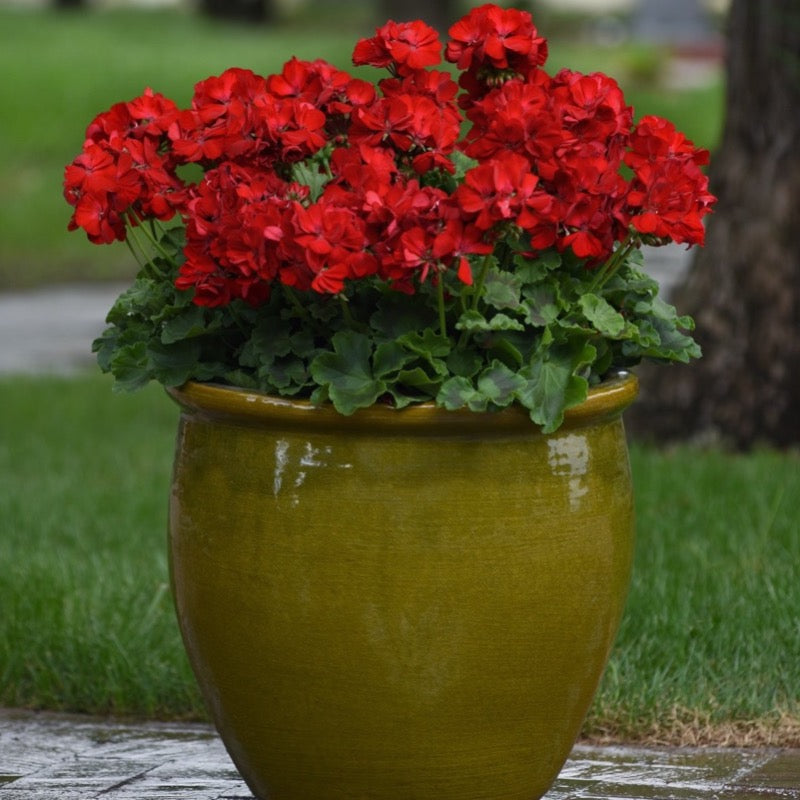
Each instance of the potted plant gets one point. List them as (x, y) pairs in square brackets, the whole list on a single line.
[(398, 319)]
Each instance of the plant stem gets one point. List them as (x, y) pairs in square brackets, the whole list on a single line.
[(296, 304), (138, 254), (440, 300), (614, 261), (143, 258), (135, 222), (346, 313), (478, 290)]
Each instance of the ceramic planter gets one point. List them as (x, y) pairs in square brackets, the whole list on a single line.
[(398, 604)]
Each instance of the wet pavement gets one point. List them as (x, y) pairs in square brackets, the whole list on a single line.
[(63, 757)]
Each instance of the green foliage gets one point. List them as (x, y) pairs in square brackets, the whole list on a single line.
[(538, 332)]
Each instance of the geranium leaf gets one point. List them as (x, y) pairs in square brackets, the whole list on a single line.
[(288, 375), (131, 367), (189, 323), (605, 318), (347, 372), (429, 344), (270, 340), (417, 378), (390, 357), (502, 290), (532, 270), (499, 384), (311, 176), (552, 385), (398, 315), (459, 392), (474, 322), (464, 363), (176, 363), (541, 305)]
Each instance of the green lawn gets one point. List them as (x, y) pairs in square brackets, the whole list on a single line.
[(708, 649), (85, 62)]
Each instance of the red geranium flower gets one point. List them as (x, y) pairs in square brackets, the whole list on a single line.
[(401, 46)]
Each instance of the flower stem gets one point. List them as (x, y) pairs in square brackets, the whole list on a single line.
[(440, 300), (149, 234), (346, 313), (614, 262), (140, 253), (478, 289)]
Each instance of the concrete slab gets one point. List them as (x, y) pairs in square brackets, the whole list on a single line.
[(52, 330), (64, 757)]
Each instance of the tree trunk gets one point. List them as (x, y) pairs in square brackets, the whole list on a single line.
[(240, 10), (440, 14), (743, 288)]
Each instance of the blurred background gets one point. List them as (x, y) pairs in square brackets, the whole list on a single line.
[(709, 646), (64, 61)]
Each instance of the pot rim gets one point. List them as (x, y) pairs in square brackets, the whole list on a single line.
[(246, 406)]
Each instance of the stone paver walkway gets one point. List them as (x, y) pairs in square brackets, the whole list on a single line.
[(61, 757)]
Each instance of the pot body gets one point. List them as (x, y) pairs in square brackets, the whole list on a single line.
[(398, 604)]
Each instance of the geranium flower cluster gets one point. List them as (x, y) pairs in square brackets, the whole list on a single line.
[(314, 179)]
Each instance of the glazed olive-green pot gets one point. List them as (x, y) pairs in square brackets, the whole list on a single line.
[(404, 605)]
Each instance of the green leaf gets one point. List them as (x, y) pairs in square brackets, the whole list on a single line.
[(462, 163), (189, 323), (131, 367), (464, 363), (419, 379), (399, 314), (288, 375), (429, 343), (346, 372), (105, 346), (502, 290), (541, 305), (390, 357), (605, 318), (475, 322), (504, 349), (240, 377), (499, 384), (269, 340), (552, 385), (176, 363), (459, 392), (311, 176), (674, 345), (532, 270)]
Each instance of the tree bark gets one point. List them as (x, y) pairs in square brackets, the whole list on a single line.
[(743, 288), (240, 10)]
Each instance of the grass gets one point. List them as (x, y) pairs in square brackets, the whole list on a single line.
[(87, 61), (87, 621), (708, 649), (710, 642)]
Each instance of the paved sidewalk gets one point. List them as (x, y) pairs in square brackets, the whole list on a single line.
[(52, 330), (62, 757)]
